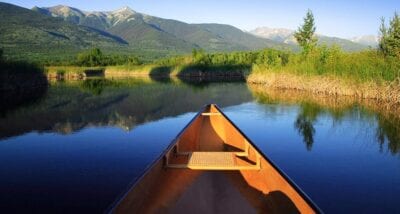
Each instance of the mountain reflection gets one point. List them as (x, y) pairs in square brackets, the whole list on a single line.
[(312, 107), (70, 106)]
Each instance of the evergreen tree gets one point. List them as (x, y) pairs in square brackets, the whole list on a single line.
[(383, 37), (305, 33), (389, 43)]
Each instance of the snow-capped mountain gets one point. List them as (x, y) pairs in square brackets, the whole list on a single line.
[(286, 36), (369, 40), (101, 20), (277, 34), (144, 31)]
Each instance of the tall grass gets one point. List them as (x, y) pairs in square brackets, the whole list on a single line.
[(368, 65)]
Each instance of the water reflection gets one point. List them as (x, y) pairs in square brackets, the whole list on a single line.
[(96, 86), (71, 106), (96, 159), (305, 123), (15, 91), (312, 107), (388, 132)]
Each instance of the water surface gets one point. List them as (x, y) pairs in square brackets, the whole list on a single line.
[(78, 147)]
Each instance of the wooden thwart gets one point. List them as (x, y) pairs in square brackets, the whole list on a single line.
[(211, 114), (214, 161)]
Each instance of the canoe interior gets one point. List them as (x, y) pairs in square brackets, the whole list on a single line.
[(239, 179)]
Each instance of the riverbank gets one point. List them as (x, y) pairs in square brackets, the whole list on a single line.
[(149, 70), (386, 92), (72, 72), (334, 103)]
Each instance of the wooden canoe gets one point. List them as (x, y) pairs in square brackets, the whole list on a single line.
[(212, 167)]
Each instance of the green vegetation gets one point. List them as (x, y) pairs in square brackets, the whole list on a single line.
[(30, 36), (20, 83), (305, 34), (10, 67), (389, 43), (269, 57), (364, 66), (332, 61), (368, 65), (95, 57)]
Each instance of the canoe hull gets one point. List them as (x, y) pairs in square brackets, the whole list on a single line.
[(250, 181)]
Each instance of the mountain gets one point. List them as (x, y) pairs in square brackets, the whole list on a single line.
[(368, 40), (234, 35), (28, 34), (149, 32), (286, 36), (60, 32), (276, 34), (124, 23)]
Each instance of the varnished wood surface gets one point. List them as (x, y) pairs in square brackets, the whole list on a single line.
[(163, 189)]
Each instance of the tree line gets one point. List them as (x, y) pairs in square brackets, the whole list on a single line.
[(95, 57), (8, 66)]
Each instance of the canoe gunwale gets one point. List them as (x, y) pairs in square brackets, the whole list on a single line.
[(280, 172), (132, 184)]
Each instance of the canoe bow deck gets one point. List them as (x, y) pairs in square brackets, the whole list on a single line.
[(212, 159)]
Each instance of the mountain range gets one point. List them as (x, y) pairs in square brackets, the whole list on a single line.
[(26, 34), (62, 31), (287, 36), (368, 40), (145, 31)]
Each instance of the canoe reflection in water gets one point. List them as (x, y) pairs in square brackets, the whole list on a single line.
[(212, 167)]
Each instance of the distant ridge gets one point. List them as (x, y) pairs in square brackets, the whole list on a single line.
[(60, 32), (28, 34), (145, 31), (286, 36)]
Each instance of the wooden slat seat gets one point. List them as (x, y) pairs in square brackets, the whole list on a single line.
[(214, 161), (211, 114)]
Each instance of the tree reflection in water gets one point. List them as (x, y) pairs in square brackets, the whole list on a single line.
[(304, 123), (387, 121), (388, 132), (70, 106)]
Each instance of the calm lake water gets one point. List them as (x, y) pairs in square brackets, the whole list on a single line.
[(78, 146)]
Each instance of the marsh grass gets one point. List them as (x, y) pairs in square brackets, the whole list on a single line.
[(363, 66)]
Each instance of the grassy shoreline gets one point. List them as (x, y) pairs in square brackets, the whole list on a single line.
[(325, 70), (387, 92), (384, 91)]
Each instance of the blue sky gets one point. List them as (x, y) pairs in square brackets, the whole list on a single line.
[(334, 18)]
